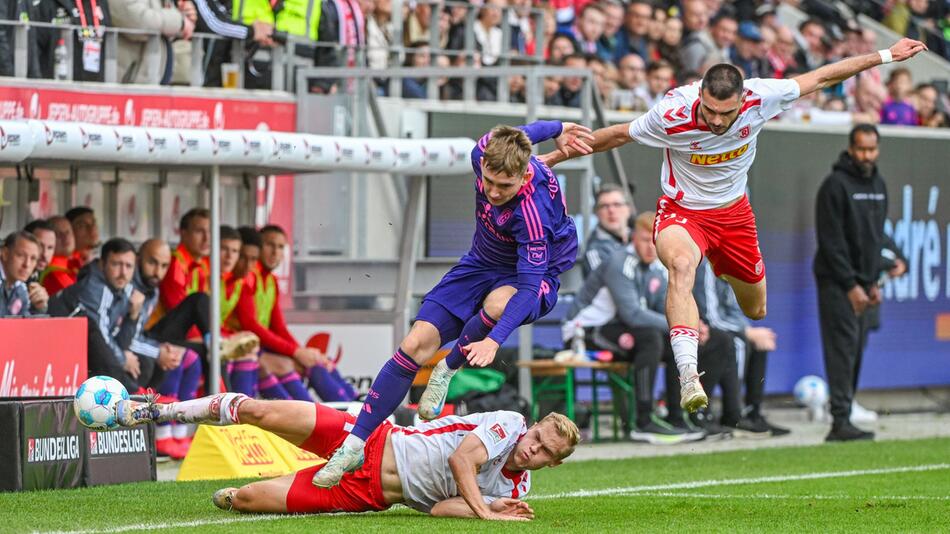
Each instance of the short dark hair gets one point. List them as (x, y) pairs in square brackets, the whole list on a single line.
[(229, 233), (250, 236), (575, 55), (723, 14), (809, 22), (657, 65), (864, 129), (609, 188), (38, 224), (13, 237), (273, 228), (722, 81), (116, 245), (190, 215), (78, 212)]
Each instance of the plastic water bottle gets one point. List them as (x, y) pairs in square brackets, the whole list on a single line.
[(578, 345), (61, 55)]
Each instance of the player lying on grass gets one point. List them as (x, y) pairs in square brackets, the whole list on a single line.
[(473, 466)]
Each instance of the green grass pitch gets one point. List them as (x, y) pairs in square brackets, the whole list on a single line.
[(896, 486)]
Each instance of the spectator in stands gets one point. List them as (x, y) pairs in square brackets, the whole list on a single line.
[(781, 54), (605, 76), (416, 25), (86, 232), (103, 296), (152, 15), (609, 43), (869, 99), (695, 17), (748, 52), (929, 107), (667, 47), (519, 26), (570, 92), (658, 23), (379, 34), (259, 312), (704, 48), (60, 273), (18, 258), (417, 55), (811, 53), (721, 309), (659, 80), (631, 76), (253, 22), (488, 34), (561, 46), (612, 207), (589, 28), (45, 234), (898, 108), (550, 29), (923, 26), (620, 307), (633, 38)]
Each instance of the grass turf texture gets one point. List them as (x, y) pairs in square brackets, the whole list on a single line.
[(917, 501)]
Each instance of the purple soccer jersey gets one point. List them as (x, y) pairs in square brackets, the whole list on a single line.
[(532, 233)]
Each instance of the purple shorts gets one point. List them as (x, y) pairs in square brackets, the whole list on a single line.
[(461, 292)]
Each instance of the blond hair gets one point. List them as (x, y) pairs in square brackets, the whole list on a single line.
[(565, 428), (507, 151), (644, 221)]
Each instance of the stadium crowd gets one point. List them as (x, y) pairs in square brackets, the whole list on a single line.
[(636, 49), (148, 309)]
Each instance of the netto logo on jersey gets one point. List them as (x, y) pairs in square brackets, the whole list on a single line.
[(52, 449), (713, 159), (129, 441)]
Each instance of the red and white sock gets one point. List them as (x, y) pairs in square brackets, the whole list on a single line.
[(685, 342)]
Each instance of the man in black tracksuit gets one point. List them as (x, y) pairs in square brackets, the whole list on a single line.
[(849, 220)]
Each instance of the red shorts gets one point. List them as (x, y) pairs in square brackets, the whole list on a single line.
[(360, 491), (726, 236)]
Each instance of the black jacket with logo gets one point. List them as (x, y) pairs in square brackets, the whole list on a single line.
[(849, 221)]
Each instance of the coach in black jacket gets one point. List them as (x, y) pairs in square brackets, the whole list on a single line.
[(849, 220)]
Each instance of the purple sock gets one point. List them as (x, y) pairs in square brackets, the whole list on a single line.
[(244, 377), (294, 386), (271, 388), (330, 386), (387, 392), (190, 375), (474, 330), (171, 384)]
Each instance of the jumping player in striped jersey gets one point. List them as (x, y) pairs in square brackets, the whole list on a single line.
[(474, 466), (523, 240), (708, 131)]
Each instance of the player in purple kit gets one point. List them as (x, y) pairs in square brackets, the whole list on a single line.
[(523, 240)]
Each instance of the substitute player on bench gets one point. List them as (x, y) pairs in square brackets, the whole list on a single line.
[(709, 130), (474, 466)]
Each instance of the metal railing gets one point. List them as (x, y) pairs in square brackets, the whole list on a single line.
[(294, 52)]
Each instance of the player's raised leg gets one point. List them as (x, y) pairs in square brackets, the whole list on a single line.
[(681, 256), (751, 297), (475, 329), (387, 392)]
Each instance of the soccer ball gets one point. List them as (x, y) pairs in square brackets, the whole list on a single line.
[(95, 402), (811, 392)]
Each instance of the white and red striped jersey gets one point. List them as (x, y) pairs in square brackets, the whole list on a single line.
[(422, 457), (702, 170)]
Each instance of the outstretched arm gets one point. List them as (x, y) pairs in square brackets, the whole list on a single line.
[(457, 507), (603, 139), (835, 73)]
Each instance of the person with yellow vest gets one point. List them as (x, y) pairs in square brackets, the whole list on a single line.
[(259, 312)]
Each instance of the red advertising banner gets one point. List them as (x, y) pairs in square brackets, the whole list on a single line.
[(171, 108), (165, 109), (42, 357)]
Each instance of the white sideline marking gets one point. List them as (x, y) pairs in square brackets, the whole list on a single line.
[(657, 490), (795, 497), (740, 481)]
